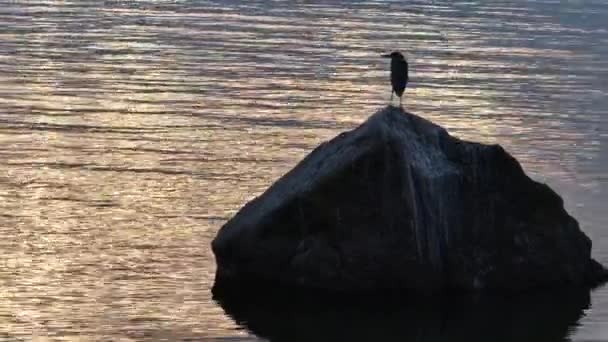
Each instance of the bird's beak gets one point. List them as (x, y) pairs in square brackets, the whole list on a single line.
[(386, 56)]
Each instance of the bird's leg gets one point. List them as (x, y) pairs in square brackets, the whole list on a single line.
[(401, 102), (391, 102)]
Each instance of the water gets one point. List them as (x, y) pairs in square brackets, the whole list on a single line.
[(130, 131)]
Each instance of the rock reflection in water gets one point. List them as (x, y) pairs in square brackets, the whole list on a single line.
[(283, 316)]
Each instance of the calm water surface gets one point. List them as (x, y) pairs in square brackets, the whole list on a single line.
[(130, 131)]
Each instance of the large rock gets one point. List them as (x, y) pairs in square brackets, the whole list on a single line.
[(399, 204)]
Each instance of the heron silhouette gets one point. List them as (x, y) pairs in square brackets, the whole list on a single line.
[(399, 74)]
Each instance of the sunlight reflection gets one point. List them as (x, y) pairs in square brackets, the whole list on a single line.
[(130, 131)]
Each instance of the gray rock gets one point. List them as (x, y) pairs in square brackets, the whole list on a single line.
[(399, 204)]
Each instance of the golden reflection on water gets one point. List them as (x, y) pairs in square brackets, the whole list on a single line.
[(129, 132)]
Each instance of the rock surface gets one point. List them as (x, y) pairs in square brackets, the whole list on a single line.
[(398, 204)]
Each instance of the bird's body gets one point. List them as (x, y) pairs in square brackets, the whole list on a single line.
[(399, 74)]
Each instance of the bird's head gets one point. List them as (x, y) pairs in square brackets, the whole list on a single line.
[(394, 55)]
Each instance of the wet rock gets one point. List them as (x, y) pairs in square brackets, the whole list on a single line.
[(398, 204)]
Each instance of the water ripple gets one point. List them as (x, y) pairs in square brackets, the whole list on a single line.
[(131, 130)]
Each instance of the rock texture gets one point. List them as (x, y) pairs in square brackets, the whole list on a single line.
[(400, 205)]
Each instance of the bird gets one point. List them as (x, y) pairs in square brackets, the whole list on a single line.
[(399, 74)]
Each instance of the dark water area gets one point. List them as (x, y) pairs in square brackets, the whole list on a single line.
[(281, 316), (130, 131)]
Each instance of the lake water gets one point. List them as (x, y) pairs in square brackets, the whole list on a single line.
[(130, 131)]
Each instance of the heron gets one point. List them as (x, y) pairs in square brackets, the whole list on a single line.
[(399, 74)]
